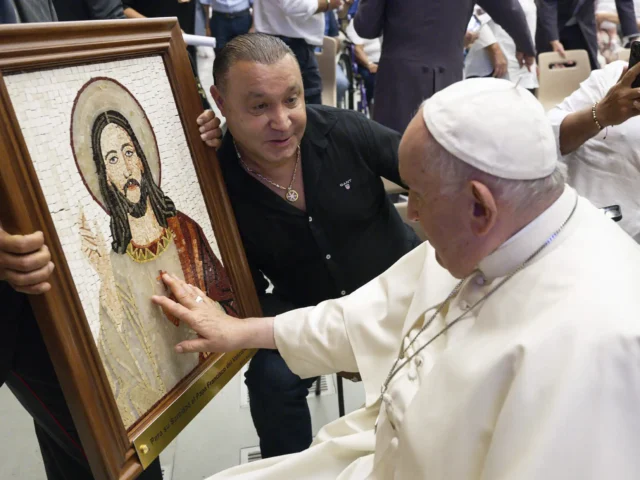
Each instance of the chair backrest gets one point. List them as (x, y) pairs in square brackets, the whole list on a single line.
[(402, 210), (558, 83), (327, 65), (624, 54)]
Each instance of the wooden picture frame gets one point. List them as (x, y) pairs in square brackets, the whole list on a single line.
[(112, 451)]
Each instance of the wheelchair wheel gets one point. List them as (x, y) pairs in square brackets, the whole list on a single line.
[(344, 62)]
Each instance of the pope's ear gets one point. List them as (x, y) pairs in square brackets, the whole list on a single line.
[(484, 209)]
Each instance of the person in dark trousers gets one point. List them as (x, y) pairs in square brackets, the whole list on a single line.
[(229, 18), (25, 366), (422, 45), (313, 214), (571, 25)]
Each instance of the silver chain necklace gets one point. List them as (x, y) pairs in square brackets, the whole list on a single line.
[(291, 195), (397, 366)]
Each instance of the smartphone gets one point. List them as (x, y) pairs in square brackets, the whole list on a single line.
[(634, 57), (613, 212)]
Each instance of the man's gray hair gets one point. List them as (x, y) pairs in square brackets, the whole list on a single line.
[(454, 174), (251, 47)]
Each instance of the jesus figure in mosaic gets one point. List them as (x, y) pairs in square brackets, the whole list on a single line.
[(148, 236)]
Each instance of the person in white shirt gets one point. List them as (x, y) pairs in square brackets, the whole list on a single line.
[(367, 52), (300, 24), (505, 347), (485, 57), (598, 133), (495, 49)]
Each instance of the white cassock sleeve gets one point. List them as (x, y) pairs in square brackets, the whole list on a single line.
[(572, 411), (358, 333)]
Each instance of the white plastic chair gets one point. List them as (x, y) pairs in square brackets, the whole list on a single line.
[(558, 83), (624, 54), (327, 65)]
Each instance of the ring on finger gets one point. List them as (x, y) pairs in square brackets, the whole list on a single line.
[(199, 299)]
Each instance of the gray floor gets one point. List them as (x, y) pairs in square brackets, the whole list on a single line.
[(211, 443)]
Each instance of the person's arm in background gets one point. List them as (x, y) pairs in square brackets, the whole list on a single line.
[(308, 8), (548, 23), (105, 9), (498, 60), (369, 19), (487, 41), (573, 121), (627, 17), (510, 16), (607, 17), (130, 9), (363, 59)]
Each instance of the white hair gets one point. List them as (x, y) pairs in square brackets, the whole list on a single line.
[(454, 174)]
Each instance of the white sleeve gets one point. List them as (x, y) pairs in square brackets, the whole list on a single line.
[(299, 8), (486, 37), (570, 413), (357, 333), (352, 35), (592, 90)]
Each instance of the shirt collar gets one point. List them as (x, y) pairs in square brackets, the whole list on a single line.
[(515, 251)]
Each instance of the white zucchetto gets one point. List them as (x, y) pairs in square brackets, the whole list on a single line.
[(494, 126)]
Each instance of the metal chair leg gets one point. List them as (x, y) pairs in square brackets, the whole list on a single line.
[(340, 397)]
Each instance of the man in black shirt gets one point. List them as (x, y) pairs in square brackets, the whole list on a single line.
[(304, 182)]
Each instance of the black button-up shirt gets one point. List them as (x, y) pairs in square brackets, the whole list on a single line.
[(350, 233)]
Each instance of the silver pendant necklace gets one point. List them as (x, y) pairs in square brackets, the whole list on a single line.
[(401, 361), (291, 195)]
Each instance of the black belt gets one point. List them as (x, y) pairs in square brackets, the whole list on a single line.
[(241, 13), (291, 41)]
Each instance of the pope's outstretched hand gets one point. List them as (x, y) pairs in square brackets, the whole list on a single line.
[(218, 331)]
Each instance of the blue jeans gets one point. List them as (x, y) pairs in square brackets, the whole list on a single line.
[(225, 27), (278, 401)]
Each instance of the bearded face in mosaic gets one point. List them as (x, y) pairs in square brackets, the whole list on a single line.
[(149, 236), (126, 184)]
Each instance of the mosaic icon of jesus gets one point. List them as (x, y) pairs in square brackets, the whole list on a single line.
[(149, 236)]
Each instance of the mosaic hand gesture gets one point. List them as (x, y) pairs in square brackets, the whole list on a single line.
[(93, 247)]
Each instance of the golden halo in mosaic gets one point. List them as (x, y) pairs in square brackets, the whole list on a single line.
[(99, 95)]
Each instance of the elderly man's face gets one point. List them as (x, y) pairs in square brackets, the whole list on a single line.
[(264, 107), (445, 219)]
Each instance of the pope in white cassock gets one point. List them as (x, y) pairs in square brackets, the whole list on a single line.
[(505, 347)]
